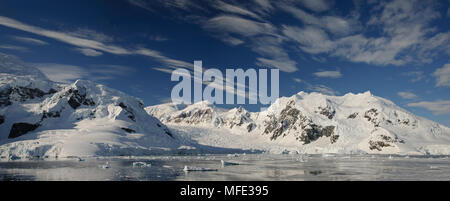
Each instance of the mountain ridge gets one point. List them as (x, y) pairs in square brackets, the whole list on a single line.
[(317, 123)]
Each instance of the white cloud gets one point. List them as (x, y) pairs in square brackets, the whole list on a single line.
[(62, 73), (158, 38), (407, 34), (235, 9), (238, 25), (415, 75), (329, 74), (89, 52), (175, 4), (323, 89), (263, 6), (262, 38), (29, 40), (437, 107), (310, 39), (442, 76), (317, 5), (14, 47), (231, 40), (92, 44), (333, 24), (407, 95), (298, 80), (284, 65)]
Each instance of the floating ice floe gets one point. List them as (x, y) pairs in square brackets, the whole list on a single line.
[(141, 164), (105, 166), (301, 159), (192, 169), (225, 163)]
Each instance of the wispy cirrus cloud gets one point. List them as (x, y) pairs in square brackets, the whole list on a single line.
[(89, 52), (262, 38), (407, 95), (29, 40), (415, 76), (89, 45), (442, 76), (64, 73), (407, 34), (317, 5), (438, 107), (14, 47), (328, 74)]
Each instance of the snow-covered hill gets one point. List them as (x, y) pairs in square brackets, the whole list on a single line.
[(311, 123), (39, 118)]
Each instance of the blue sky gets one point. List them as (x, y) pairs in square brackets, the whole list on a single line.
[(398, 50)]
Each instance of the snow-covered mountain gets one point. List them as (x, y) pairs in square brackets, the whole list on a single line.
[(312, 123), (40, 118)]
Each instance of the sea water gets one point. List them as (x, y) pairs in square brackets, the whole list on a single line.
[(245, 167)]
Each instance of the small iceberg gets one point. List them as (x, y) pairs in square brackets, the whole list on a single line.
[(141, 164), (301, 159), (225, 163), (105, 166), (192, 169)]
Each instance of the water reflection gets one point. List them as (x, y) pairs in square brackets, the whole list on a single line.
[(251, 167)]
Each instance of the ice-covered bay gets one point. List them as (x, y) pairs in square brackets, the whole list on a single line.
[(251, 167)]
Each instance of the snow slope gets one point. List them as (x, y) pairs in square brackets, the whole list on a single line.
[(39, 118), (312, 123)]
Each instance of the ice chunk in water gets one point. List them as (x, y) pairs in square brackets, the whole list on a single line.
[(105, 166), (190, 169), (225, 163), (141, 164)]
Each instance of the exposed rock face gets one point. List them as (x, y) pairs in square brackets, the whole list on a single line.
[(194, 117), (327, 111), (129, 111), (381, 141), (352, 116), (21, 94), (76, 98), (291, 119), (315, 132), (19, 129), (372, 116), (236, 117), (128, 130), (2, 119)]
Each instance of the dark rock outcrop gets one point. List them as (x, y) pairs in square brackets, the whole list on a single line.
[(384, 141), (2, 119), (21, 94), (315, 132), (372, 116), (19, 129), (352, 116), (76, 99), (291, 119), (327, 111), (250, 127), (128, 130), (129, 111), (194, 117)]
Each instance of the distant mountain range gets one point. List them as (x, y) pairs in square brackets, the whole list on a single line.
[(314, 123), (40, 118)]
